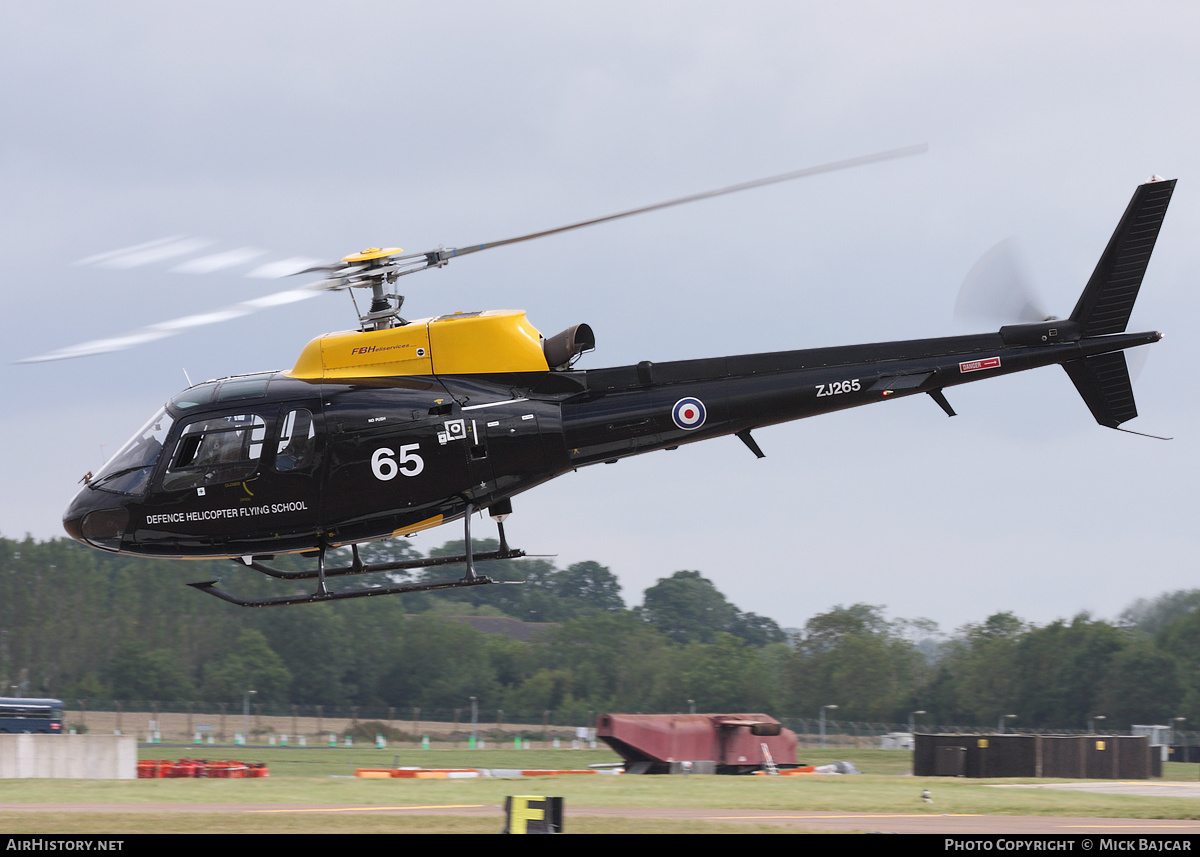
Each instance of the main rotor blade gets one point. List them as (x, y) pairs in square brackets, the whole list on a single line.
[(339, 274), (170, 328), (890, 155), (147, 252)]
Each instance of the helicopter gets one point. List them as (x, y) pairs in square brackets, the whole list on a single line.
[(404, 425)]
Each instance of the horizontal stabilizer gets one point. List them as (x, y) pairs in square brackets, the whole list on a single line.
[(1103, 381), (1106, 303)]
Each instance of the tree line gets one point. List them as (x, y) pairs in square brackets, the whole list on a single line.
[(80, 624)]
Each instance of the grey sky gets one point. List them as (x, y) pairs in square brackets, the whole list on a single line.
[(315, 130)]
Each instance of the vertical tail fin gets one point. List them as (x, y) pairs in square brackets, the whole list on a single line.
[(1107, 301)]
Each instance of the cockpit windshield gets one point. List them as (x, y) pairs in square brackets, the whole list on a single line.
[(129, 471)]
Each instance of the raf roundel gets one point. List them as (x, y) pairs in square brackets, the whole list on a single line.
[(689, 413)]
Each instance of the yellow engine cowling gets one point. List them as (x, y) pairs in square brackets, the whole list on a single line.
[(458, 344)]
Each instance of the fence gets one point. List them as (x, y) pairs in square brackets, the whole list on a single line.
[(182, 721)]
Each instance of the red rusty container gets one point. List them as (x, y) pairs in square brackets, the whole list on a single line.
[(699, 743)]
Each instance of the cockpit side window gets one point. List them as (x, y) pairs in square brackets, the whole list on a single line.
[(297, 440), (224, 448)]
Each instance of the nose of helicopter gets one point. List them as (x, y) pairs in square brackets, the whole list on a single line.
[(96, 518)]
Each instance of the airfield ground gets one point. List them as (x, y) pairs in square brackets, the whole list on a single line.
[(314, 791)]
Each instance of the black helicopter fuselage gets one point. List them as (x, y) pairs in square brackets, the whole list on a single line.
[(304, 464), (388, 432)]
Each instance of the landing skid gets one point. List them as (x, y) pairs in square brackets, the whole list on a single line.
[(209, 586), (357, 566)]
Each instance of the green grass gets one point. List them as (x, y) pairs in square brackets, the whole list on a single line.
[(330, 762), (323, 776), (327, 761)]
